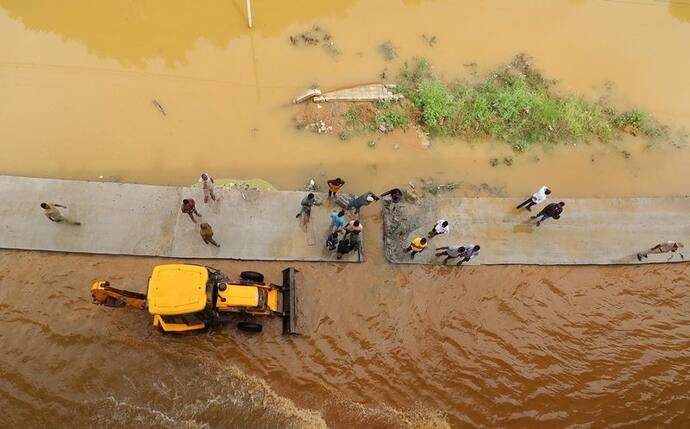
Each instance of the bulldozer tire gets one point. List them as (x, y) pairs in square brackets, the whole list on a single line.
[(252, 276), (249, 327)]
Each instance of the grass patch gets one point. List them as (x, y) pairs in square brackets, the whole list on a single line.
[(516, 104), (391, 119)]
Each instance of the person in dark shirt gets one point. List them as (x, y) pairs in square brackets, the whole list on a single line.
[(344, 247), (189, 207), (553, 210), (396, 195), (361, 201)]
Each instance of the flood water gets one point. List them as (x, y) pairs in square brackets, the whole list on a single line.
[(382, 346)]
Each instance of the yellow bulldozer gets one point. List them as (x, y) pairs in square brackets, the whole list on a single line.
[(185, 297)]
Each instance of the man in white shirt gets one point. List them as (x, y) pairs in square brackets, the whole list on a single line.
[(207, 186), (441, 227), (537, 198), (666, 247)]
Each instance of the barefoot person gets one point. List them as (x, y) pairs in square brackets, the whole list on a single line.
[(471, 251), (337, 220), (344, 247), (353, 227), (665, 247), (451, 252), (440, 228), (207, 185), (553, 210), (207, 234), (416, 246), (537, 198), (395, 194), (307, 203), (52, 212), (363, 200), (334, 186), (189, 207)]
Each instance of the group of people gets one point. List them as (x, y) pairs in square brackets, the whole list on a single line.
[(460, 252), (345, 236), (189, 208)]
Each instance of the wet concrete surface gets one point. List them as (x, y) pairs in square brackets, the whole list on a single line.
[(127, 219), (604, 231)]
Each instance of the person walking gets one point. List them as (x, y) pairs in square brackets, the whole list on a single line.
[(471, 251), (207, 185), (334, 186), (307, 203), (363, 200), (665, 247), (441, 227), (451, 252), (337, 220), (416, 246), (536, 198), (553, 210), (207, 234), (52, 212), (189, 207)]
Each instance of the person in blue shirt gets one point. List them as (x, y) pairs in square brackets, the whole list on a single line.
[(337, 220)]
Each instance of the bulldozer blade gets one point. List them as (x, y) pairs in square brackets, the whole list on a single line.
[(289, 301)]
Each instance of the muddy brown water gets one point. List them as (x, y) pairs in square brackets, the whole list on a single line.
[(382, 346)]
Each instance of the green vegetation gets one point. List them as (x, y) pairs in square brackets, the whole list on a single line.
[(516, 104)]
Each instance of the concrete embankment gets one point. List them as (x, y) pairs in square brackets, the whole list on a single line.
[(127, 219), (604, 231)]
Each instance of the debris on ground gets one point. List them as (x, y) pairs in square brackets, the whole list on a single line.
[(486, 189), (159, 107), (320, 127), (429, 186), (306, 95), (241, 184), (430, 40), (312, 185), (316, 36), (367, 92)]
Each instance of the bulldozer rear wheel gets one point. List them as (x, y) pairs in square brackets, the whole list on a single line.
[(249, 327)]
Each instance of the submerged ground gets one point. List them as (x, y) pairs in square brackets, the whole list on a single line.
[(146, 93)]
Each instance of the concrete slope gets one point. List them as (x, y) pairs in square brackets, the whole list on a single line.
[(590, 231), (126, 219)]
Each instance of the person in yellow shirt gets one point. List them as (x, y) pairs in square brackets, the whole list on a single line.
[(416, 246)]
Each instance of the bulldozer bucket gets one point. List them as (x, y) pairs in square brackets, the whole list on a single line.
[(289, 301)]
